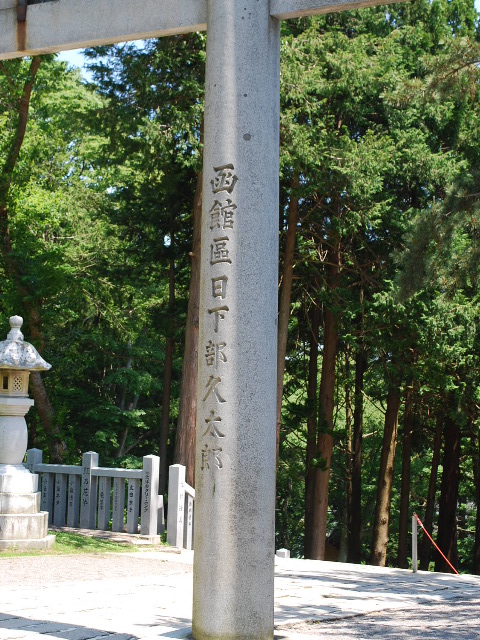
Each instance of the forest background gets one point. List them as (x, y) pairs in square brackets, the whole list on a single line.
[(379, 341)]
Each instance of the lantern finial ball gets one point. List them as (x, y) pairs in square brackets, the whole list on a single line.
[(15, 324)]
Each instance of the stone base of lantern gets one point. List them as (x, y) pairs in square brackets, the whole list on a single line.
[(22, 524), (40, 544)]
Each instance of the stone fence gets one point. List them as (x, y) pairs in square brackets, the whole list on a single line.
[(82, 496)]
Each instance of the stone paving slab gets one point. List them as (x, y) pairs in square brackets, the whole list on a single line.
[(148, 595), (336, 589)]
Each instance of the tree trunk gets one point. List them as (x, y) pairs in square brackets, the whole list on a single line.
[(283, 531), (345, 538), (122, 404), (343, 544), (385, 480), (284, 301), (326, 399), (355, 514), (447, 514), (475, 440), (165, 415), (47, 416), (426, 546), (6, 176), (186, 425), (311, 427), (405, 487), (167, 374)]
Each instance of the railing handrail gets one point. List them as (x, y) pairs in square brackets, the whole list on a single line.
[(70, 469), (189, 490), (107, 472)]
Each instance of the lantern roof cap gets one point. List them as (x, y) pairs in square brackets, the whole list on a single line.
[(17, 354)]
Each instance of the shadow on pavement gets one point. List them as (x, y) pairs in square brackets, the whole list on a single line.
[(432, 621), (58, 629), (324, 594)]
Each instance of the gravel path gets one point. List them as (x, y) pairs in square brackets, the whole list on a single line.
[(36, 571)]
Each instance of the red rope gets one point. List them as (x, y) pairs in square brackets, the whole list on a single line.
[(435, 545)]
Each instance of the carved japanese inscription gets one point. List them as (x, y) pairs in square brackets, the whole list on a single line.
[(221, 226)]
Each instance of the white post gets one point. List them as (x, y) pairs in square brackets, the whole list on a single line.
[(235, 461), (176, 505), (414, 544), (149, 511), (88, 504)]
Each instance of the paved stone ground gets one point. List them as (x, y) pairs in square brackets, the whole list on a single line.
[(148, 595), (346, 602), (432, 622)]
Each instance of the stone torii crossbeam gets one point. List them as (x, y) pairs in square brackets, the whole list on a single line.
[(235, 460)]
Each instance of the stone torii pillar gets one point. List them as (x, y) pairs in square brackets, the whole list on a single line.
[(236, 399), (235, 463)]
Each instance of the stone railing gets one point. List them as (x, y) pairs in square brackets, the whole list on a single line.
[(82, 496), (181, 498)]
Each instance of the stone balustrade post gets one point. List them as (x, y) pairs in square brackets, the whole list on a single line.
[(88, 504), (118, 504), (188, 528), (149, 506), (34, 456), (176, 505)]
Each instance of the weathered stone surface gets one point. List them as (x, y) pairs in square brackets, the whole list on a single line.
[(19, 503), (23, 526), (13, 438), (235, 463), (176, 505), (41, 543), (13, 480), (16, 407), (56, 26)]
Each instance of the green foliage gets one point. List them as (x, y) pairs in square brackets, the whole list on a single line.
[(379, 120)]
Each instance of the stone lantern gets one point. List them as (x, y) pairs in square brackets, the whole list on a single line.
[(22, 524)]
